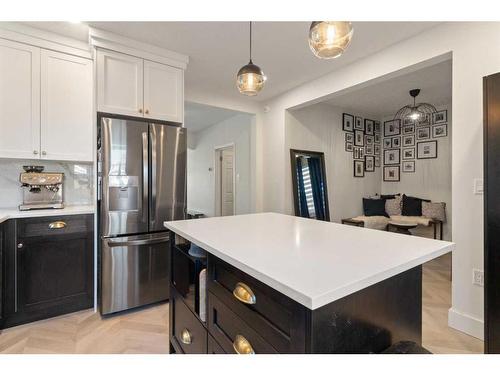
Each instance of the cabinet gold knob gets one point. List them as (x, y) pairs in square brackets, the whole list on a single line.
[(44, 152), (242, 346), (57, 225), (243, 293), (147, 111), (35, 152), (140, 110), (186, 336)]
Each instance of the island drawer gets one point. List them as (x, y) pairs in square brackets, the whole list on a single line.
[(214, 347), (232, 333), (275, 317), (188, 331)]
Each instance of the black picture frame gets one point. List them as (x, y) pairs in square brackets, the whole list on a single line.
[(359, 138), (440, 117), (376, 127), (349, 137), (435, 129), (359, 168), (407, 150), (425, 120), (369, 150), (397, 156), (356, 155), (407, 121), (369, 140), (421, 151), (347, 122), (396, 142), (349, 147), (407, 163), (369, 127), (408, 137), (387, 143), (408, 129), (423, 133), (376, 138), (377, 161), (358, 123), (376, 149), (370, 163), (387, 171), (392, 128)]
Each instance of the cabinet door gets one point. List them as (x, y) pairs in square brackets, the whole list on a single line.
[(54, 266), (66, 107), (163, 92), (119, 83), (19, 100)]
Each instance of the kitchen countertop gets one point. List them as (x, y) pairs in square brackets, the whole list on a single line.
[(14, 213), (313, 262)]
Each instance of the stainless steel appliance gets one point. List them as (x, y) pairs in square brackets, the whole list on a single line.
[(142, 183), (41, 189)]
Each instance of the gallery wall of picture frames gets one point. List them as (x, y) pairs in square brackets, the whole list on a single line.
[(395, 144)]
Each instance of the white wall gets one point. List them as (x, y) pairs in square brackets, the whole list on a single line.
[(432, 177), (319, 128), (473, 58), (236, 130)]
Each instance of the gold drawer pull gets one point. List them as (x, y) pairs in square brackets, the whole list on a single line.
[(242, 346), (243, 293), (57, 225), (186, 336)]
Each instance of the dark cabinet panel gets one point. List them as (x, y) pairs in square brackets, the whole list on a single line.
[(51, 267), (491, 117), (2, 273)]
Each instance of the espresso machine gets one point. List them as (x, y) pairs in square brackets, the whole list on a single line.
[(41, 189)]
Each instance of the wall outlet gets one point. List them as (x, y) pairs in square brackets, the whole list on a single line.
[(477, 277)]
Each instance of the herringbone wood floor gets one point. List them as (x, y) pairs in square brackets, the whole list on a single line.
[(146, 331)]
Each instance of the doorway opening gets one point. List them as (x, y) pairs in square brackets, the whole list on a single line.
[(224, 180)]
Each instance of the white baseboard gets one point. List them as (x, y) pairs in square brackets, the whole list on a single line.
[(466, 323)]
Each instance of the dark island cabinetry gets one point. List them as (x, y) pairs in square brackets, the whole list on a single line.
[(217, 308), (49, 267)]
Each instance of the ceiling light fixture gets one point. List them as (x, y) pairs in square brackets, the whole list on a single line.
[(330, 39), (415, 112), (250, 78)]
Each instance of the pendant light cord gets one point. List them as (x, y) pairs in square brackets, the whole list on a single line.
[(250, 41)]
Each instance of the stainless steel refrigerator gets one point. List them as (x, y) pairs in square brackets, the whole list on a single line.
[(141, 184)]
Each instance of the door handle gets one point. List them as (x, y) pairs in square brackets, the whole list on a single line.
[(152, 209), (145, 241), (145, 177)]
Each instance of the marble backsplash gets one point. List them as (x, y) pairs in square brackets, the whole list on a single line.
[(78, 181)]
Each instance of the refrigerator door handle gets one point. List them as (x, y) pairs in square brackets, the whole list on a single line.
[(145, 176), (145, 241), (152, 202)]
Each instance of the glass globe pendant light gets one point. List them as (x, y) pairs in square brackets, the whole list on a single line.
[(329, 39), (250, 78)]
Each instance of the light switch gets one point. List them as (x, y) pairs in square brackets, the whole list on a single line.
[(478, 186)]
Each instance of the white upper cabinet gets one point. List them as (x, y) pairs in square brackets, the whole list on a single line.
[(119, 83), (66, 107), (133, 86), (19, 100), (163, 92)]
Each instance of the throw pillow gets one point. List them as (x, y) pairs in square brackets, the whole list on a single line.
[(412, 206), (434, 210), (393, 206), (374, 207)]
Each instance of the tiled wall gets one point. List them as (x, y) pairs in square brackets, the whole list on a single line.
[(78, 181)]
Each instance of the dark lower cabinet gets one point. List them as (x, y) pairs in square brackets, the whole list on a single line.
[(2, 273), (50, 267)]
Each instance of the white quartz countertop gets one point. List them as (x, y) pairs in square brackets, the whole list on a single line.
[(14, 213), (312, 262)]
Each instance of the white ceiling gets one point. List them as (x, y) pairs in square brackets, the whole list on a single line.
[(386, 97), (199, 116), (218, 49)]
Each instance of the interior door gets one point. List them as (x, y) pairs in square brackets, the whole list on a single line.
[(66, 107), (19, 100), (119, 83), (168, 153), (227, 181), (124, 166), (163, 92)]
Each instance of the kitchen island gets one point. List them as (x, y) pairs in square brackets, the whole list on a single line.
[(282, 284)]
